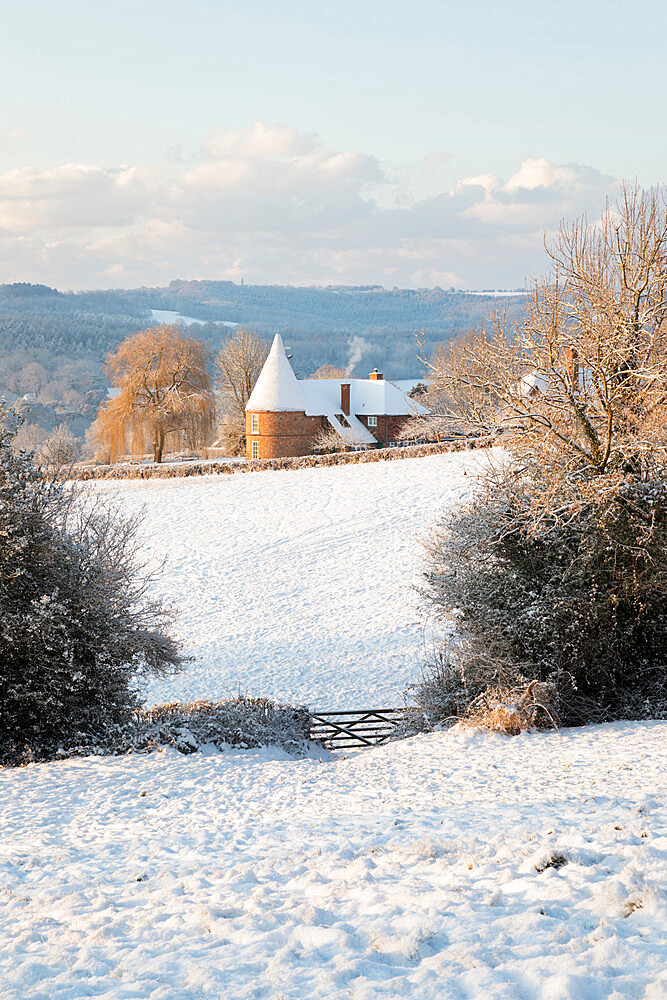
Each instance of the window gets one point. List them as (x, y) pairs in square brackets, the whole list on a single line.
[(254, 452), (254, 423), (372, 421)]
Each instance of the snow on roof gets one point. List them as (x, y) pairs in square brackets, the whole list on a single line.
[(533, 382), (367, 396), (277, 388), (355, 432), (550, 381)]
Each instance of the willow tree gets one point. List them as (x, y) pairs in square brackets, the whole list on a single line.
[(164, 388)]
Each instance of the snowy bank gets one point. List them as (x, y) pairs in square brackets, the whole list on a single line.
[(442, 867)]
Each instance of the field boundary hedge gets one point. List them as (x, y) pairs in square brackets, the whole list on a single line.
[(262, 465)]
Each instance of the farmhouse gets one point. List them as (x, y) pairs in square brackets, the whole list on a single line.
[(285, 415)]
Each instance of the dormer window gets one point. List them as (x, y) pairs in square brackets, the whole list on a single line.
[(254, 423), (372, 421)]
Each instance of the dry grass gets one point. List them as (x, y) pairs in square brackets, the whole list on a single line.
[(512, 710)]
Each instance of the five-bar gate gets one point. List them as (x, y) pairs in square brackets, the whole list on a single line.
[(343, 730)]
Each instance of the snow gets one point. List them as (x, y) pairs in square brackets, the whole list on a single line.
[(277, 389), (353, 430), (170, 316), (408, 384), (297, 585), (450, 866), (413, 870), (366, 396)]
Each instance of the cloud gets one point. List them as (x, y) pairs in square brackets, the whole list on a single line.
[(539, 195), (273, 205)]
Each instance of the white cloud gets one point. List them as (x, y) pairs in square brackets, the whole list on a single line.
[(273, 205)]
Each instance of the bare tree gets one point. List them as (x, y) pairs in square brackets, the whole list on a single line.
[(584, 374), (59, 449), (238, 364), (32, 378), (329, 439), (557, 568), (329, 371), (29, 437), (165, 388)]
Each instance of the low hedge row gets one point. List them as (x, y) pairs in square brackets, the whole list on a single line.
[(236, 722), (262, 465)]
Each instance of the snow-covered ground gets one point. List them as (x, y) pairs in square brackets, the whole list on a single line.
[(297, 585), (445, 866), (170, 316), (451, 865)]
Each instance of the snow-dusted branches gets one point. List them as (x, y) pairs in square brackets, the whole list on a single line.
[(77, 619), (584, 374)]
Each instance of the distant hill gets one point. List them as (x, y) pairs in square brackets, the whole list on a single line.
[(67, 334), (358, 326)]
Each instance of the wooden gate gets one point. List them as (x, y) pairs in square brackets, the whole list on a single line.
[(356, 728)]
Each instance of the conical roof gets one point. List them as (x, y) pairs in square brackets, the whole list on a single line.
[(277, 387)]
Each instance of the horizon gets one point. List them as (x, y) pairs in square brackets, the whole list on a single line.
[(268, 284)]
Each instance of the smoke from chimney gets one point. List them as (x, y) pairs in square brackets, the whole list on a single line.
[(355, 347)]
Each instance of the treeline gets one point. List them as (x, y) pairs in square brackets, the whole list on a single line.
[(334, 308)]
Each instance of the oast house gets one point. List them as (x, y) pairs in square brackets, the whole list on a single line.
[(284, 414)]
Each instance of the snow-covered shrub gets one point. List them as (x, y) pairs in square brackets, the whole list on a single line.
[(443, 689), (59, 449), (237, 722), (241, 721), (76, 623), (561, 580)]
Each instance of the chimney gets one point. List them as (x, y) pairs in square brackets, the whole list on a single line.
[(375, 375), (573, 367), (345, 398)]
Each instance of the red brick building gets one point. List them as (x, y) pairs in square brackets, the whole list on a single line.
[(284, 414)]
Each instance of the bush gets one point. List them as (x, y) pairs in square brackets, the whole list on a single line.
[(563, 582), (59, 449), (238, 722), (77, 627)]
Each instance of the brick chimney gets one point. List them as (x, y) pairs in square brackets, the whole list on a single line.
[(573, 367), (345, 398), (375, 375)]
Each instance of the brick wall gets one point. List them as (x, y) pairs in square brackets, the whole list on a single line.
[(290, 435), (387, 427), (282, 435)]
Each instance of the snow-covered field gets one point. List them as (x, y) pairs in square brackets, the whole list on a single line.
[(451, 865), (423, 869), (297, 585)]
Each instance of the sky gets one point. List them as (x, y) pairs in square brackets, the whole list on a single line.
[(406, 144)]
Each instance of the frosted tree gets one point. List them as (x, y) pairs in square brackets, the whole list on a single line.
[(557, 569), (238, 364), (584, 374), (78, 625)]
